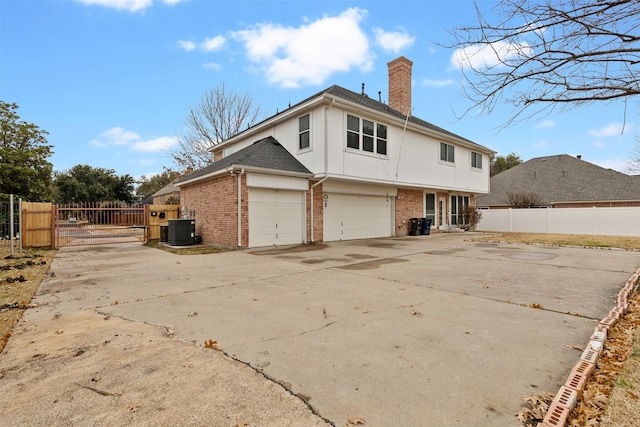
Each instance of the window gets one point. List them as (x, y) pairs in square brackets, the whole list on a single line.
[(457, 205), (353, 132), (371, 137), (304, 140), (446, 152), (476, 160), (430, 207)]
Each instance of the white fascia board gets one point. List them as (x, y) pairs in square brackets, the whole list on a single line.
[(207, 176), (398, 184), (236, 168)]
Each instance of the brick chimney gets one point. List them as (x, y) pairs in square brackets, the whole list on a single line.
[(400, 84)]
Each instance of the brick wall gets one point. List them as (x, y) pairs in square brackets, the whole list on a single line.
[(408, 205), (318, 226), (215, 203)]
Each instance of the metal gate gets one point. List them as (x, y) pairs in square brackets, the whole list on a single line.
[(100, 223)]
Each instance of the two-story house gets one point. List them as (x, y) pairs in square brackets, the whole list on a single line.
[(336, 166)]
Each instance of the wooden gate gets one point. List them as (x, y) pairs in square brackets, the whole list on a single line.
[(99, 223), (37, 225)]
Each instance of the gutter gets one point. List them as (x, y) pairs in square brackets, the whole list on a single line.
[(240, 173)]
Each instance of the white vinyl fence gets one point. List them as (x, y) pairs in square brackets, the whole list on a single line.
[(590, 221)]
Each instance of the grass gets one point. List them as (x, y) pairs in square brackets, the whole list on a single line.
[(20, 277), (622, 242)]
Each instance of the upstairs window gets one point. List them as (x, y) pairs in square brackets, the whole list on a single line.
[(476, 160), (304, 140), (447, 152), (366, 135)]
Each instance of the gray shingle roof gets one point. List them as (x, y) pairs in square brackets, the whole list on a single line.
[(167, 189), (367, 102), (266, 153), (561, 179)]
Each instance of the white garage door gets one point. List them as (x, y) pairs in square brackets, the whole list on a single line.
[(349, 216), (276, 217)]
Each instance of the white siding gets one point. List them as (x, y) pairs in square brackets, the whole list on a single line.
[(276, 182)]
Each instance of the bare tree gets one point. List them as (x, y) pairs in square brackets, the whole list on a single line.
[(541, 55), (220, 114), (523, 199)]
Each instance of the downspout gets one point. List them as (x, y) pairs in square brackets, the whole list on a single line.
[(326, 162), (240, 173)]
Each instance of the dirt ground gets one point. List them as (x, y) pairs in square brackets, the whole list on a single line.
[(89, 369)]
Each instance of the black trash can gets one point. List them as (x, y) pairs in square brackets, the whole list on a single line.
[(415, 225), (426, 227), (164, 233)]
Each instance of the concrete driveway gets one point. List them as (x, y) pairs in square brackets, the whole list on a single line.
[(416, 331)]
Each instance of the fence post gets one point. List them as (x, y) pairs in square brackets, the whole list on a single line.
[(20, 224), (54, 226), (11, 223)]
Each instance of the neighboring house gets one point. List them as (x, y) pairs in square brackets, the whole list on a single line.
[(336, 166), (563, 181), (167, 195)]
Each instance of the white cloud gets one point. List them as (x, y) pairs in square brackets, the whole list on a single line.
[(620, 165), (212, 66), (115, 136), (437, 83), (214, 43), (540, 145), (309, 54), (187, 45), (546, 124), (488, 56), (393, 41), (118, 136), (612, 129), (157, 144), (128, 5), (598, 144)]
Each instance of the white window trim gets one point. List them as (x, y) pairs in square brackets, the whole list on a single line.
[(475, 168), (310, 147), (360, 150), (446, 162)]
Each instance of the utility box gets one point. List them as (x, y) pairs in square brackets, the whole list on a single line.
[(182, 232)]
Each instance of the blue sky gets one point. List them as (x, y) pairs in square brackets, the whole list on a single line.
[(112, 80)]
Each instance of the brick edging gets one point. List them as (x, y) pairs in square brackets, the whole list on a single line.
[(567, 396)]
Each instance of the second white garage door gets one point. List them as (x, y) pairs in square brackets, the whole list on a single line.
[(350, 216), (276, 217)]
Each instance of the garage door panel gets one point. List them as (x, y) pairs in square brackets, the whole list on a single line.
[(349, 216), (276, 217)]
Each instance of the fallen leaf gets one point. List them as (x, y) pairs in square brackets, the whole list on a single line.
[(211, 344), (416, 313), (133, 407), (192, 314), (59, 331), (535, 305), (355, 422)]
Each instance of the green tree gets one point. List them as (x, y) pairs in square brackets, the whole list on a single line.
[(148, 186), (24, 150), (502, 163), (84, 183)]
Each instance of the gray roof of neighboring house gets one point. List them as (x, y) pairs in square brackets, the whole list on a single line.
[(167, 189), (266, 153), (562, 179)]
